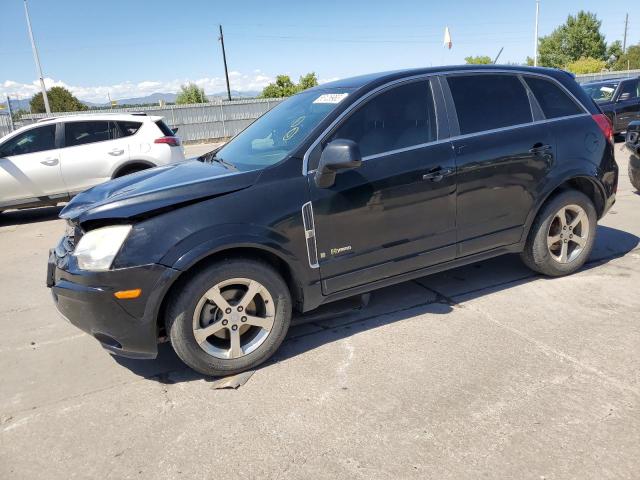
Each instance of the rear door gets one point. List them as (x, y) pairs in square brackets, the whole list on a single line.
[(92, 150), (30, 167), (501, 158), (396, 212)]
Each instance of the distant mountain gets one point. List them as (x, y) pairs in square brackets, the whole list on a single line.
[(152, 99)]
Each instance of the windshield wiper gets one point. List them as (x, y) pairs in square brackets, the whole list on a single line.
[(221, 161)]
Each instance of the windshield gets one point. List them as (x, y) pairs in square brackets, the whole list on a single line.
[(279, 131), (601, 92)]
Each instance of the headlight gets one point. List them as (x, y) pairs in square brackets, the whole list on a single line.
[(97, 248)]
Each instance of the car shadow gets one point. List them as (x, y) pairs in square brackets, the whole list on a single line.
[(29, 215), (436, 294)]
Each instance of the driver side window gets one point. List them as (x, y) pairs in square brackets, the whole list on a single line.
[(400, 117), (32, 141)]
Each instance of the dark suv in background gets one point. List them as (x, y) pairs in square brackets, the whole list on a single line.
[(619, 99), (339, 190)]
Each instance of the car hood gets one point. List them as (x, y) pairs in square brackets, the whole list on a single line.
[(156, 189)]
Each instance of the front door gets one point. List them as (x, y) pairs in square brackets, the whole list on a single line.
[(30, 168), (627, 105), (396, 212)]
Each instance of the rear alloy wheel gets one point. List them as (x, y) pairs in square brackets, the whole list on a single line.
[(229, 317), (562, 236)]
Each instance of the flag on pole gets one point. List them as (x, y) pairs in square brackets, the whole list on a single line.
[(447, 38)]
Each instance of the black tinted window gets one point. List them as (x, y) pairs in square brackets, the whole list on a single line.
[(485, 102), (129, 128), (630, 88), (553, 101), (81, 133), (164, 128), (401, 117), (34, 140)]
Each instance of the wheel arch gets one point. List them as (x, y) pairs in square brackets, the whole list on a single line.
[(250, 251), (580, 182), (131, 165)]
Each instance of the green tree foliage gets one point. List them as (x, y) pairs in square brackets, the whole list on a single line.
[(578, 37), (478, 60), (629, 60), (586, 65), (191, 93), (60, 100), (284, 87)]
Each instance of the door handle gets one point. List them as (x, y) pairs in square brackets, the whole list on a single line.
[(540, 148), (50, 162), (116, 151), (437, 174)]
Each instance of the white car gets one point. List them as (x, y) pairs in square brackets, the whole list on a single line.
[(54, 159)]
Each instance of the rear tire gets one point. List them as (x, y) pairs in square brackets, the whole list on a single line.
[(216, 330), (562, 235)]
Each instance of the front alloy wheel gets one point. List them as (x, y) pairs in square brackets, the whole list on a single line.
[(233, 318), (229, 317)]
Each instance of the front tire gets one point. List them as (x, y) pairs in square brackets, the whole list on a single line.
[(230, 317), (562, 235)]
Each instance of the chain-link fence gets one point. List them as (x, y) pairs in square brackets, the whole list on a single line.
[(5, 125), (198, 122), (594, 77)]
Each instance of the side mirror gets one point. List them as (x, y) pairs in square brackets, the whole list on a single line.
[(624, 97), (337, 155)]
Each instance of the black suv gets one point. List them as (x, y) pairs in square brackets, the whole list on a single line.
[(339, 190), (619, 99)]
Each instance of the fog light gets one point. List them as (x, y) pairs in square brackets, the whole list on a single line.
[(128, 294)]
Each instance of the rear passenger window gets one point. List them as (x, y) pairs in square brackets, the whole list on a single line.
[(486, 102), (82, 133), (553, 101), (401, 117), (129, 128)]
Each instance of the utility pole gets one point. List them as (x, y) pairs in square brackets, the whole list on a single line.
[(535, 45), (224, 59), (36, 57), (495, 60), (626, 25)]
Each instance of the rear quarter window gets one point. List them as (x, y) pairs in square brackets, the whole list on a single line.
[(488, 101), (164, 128), (129, 128), (553, 101)]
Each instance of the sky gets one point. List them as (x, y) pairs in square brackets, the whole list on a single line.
[(130, 48)]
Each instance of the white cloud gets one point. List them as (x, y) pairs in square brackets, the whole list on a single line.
[(239, 81)]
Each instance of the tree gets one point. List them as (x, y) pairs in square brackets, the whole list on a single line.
[(479, 60), (284, 87), (191, 93), (630, 60), (60, 100), (586, 65), (307, 81), (578, 37)]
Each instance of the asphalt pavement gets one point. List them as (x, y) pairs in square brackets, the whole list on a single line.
[(486, 371)]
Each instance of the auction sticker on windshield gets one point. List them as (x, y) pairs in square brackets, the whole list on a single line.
[(330, 98)]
